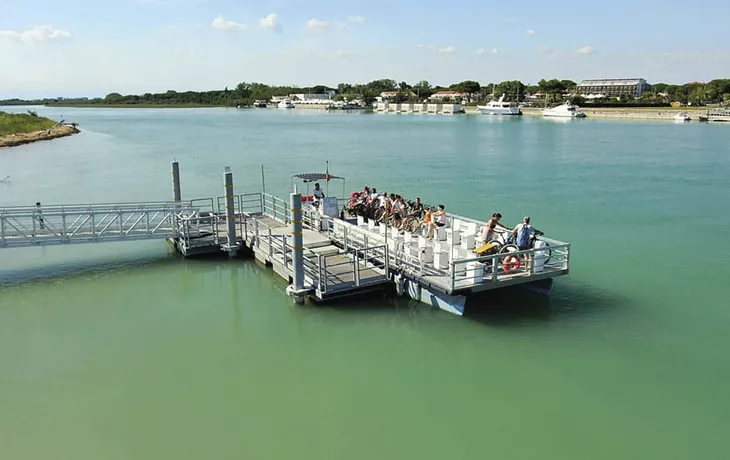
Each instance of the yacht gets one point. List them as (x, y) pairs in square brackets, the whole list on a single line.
[(286, 104), (566, 110), (682, 116), (499, 107)]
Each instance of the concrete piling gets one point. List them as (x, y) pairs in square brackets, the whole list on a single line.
[(176, 195), (230, 212), (297, 288)]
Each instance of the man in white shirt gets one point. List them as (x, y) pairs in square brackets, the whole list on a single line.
[(318, 192)]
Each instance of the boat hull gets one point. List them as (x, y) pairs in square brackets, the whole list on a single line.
[(497, 111)]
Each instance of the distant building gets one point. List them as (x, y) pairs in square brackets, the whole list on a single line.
[(440, 95), (611, 87), (312, 98), (390, 95)]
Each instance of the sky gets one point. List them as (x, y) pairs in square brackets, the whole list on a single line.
[(72, 48)]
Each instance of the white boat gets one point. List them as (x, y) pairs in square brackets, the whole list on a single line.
[(719, 115), (286, 104), (682, 116), (499, 107), (566, 110)]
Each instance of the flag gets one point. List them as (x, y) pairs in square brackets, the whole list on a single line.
[(327, 176)]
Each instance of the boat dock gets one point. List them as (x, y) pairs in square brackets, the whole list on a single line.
[(322, 255)]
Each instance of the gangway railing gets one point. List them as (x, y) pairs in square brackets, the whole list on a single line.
[(67, 224)]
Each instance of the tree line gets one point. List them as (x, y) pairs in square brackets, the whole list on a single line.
[(554, 90)]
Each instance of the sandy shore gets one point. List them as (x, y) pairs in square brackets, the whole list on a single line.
[(12, 140)]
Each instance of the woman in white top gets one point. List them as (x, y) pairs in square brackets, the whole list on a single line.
[(438, 220)]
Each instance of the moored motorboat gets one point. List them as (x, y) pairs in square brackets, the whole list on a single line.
[(566, 110), (499, 107)]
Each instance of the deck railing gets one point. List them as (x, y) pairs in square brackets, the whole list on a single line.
[(460, 273)]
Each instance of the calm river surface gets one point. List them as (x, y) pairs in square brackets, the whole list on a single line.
[(119, 351)]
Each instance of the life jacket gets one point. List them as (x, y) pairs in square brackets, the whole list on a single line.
[(523, 236)]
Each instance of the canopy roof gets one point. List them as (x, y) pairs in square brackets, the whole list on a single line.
[(310, 177)]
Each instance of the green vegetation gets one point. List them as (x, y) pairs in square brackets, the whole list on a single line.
[(17, 123), (245, 93)]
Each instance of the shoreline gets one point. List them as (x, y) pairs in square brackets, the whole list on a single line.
[(14, 140), (615, 113)]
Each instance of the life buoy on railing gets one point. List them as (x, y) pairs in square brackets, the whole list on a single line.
[(511, 264), (305, 198)]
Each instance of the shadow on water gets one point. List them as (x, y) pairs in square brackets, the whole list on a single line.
[(517, 307), (68, 270)]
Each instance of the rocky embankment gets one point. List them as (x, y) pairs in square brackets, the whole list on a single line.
[(60, 130)]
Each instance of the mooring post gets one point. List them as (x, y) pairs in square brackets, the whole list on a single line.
[(176, 195), (297, 288), (230, 212)]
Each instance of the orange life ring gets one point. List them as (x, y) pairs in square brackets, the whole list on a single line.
[(511, 264)]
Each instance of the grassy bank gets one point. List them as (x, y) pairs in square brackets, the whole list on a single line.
[(24, 128), (21, 123)]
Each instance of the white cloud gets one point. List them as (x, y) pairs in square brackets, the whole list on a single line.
[(342, 53), (530, 32), (225, 24), (447, 50), (316, 24), (481, 51), (586, 50), (36, 34), (425, 47), (494, 51), (271, 22), (356, 19)]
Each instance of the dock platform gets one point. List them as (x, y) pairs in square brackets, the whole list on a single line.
[(323, 257)]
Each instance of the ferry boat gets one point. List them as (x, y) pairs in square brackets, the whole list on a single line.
[(499, 107), (566, 110), (285, 104), (718, 115)]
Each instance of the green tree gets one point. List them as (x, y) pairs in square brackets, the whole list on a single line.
[(368, 97), (244, 90), (568, 84), (513, 90), (469, 87), (344, 88), (423, 89), (659, 87)]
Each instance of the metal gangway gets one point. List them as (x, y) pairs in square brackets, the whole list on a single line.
[(28, 226)]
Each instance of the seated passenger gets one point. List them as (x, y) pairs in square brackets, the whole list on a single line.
[(438, 220), (417, 209)]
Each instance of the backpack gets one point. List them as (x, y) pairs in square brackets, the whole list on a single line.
[(523, 236)]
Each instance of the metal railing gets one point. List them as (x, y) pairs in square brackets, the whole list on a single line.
[(460, 273), (67, 224), (275, 207)]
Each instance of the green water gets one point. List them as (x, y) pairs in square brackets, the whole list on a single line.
[(119, 351)]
